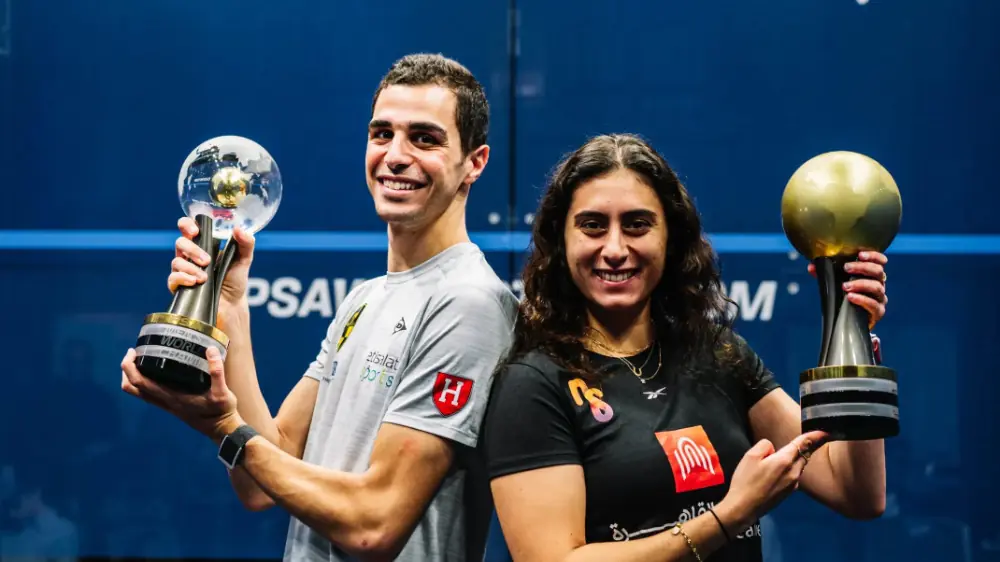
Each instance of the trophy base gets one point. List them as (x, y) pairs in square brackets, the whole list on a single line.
[(171, 349), (850, 402)]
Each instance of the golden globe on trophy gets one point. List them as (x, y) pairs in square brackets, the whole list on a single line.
[(225, 182), (836, 205)]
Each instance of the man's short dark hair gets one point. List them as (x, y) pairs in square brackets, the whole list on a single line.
[(472, 112)]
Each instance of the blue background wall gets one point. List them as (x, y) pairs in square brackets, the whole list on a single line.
[(101, 101)]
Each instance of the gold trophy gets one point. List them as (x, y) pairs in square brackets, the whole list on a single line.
[(834, 206)]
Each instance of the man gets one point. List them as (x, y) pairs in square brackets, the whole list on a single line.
[(372, 452)]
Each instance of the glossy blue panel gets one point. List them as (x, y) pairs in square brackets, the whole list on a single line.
[(100, 102), (107, 100), (737, 95)]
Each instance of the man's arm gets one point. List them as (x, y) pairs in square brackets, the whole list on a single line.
[(288, 430), (438, 406), (369, 515)]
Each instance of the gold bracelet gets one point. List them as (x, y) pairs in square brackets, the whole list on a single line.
[(677, 530)]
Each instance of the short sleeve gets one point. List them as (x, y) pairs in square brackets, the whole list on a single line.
[(754, 379), (527, 425), (445, 381), (323, 363)]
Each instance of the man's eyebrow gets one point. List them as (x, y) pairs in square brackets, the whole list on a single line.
[(429, 127), (414, 126)]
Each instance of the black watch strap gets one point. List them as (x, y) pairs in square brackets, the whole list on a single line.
[(232, 446)]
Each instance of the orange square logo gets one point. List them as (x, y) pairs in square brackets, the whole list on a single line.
[(692, 457)]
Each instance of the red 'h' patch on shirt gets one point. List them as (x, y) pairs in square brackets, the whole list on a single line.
[(451, 393)]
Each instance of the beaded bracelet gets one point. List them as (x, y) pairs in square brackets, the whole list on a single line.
[(677, 530)]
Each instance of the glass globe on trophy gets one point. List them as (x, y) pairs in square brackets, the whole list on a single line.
[(225, 182)]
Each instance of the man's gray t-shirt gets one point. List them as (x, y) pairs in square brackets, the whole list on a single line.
[(415, 348)]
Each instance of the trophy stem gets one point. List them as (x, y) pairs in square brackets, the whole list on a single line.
[(830, 293), (229, 253), (852, 341), (846, 338), (199, 302)]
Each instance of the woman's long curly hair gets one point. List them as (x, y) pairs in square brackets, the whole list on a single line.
[(689, 307)]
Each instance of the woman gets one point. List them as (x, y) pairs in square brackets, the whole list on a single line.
[(630, 422)]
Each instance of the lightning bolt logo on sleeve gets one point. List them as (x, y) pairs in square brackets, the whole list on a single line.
[(350, 326)]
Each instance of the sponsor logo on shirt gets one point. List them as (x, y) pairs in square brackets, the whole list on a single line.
[(451, 393), (333, 371), (350, 326), (601, 410), (620, 533), (380, 368), (692, 457), (659, 393)]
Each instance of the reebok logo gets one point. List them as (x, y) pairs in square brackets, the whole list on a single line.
[(692, 458)]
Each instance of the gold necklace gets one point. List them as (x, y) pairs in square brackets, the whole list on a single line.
[(588, 330), (617, 352), (637, 371)]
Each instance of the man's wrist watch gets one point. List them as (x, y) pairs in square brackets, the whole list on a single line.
[(233, 445)]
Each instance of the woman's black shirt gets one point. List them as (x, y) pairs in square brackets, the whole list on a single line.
[(653, 453)]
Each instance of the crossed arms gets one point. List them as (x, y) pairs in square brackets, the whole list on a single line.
[(370, 515)]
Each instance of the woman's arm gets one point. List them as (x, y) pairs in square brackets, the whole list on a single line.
[(846, 476), (542, 512), (542, 515)]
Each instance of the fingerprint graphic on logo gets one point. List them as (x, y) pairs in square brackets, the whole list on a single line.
[(691, 455), (692, 458)]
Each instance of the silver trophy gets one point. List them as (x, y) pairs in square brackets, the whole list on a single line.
[(226, 182)]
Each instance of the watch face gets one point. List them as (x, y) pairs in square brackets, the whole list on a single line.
[(228, 450)]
